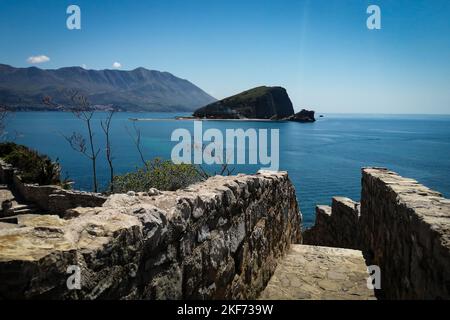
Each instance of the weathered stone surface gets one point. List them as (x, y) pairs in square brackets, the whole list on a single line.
[(220, 239), (405, 229), (61, 200), (51, 199), (6, 202), (35, 255), (322, 232), (319, 273), (402, 226), (336, 226), (10, 206), (4, 225)]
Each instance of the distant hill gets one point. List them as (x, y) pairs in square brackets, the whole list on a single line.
[(257, 103), (136, 90)]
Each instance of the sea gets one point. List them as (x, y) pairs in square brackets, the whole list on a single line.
[(323, 159)]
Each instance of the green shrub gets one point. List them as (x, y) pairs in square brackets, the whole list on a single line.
[(34, 167), (159, 174), (8, 147)]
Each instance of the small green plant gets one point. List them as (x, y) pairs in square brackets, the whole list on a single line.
[(159, 174), (34, 167), (66, 182)]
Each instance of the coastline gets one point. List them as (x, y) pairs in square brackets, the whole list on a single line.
[(205, 119), (341, 141)]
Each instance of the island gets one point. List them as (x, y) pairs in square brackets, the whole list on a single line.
[(265, 103)]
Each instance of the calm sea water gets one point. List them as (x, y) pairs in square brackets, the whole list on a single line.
[(323, 159)]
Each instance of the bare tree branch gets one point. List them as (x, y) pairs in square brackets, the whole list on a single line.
[(224, 169), (106, 126), (81, 109), (136, 137), (78, 143)]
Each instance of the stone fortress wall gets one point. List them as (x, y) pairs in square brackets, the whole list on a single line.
[(223, 239), (220, 239), (401, 226), (50, 198)]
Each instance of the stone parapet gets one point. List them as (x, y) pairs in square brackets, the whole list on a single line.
[(402, 226), (405, 228), (336, 226), (220, 239), (50, 198)]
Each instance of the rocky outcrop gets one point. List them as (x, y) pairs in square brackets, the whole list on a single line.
[(220, 239), (403, 227), (257, 103), (303, 116)]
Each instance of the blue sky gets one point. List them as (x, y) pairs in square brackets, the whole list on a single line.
[(319, 50)]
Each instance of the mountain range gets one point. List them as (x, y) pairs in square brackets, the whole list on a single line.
[(136, 90)]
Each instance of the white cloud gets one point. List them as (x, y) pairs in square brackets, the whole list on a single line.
[(117, 65), (38, 59), (84, 66)]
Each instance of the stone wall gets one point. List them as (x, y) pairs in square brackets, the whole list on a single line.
[(322, 232), (335, 226), (220, 239), (403, 227), (52, 199)]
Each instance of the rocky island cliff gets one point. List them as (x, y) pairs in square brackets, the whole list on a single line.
[(272, 103)]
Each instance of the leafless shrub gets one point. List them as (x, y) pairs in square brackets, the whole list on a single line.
[(81, 109), (106, 127)]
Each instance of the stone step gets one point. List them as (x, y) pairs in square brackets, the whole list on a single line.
[(9, 220), (319, 273), (3, 186), (23, 206), (25, 211)]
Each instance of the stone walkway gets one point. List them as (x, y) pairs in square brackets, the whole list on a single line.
[(319, 273), (18, 207)]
